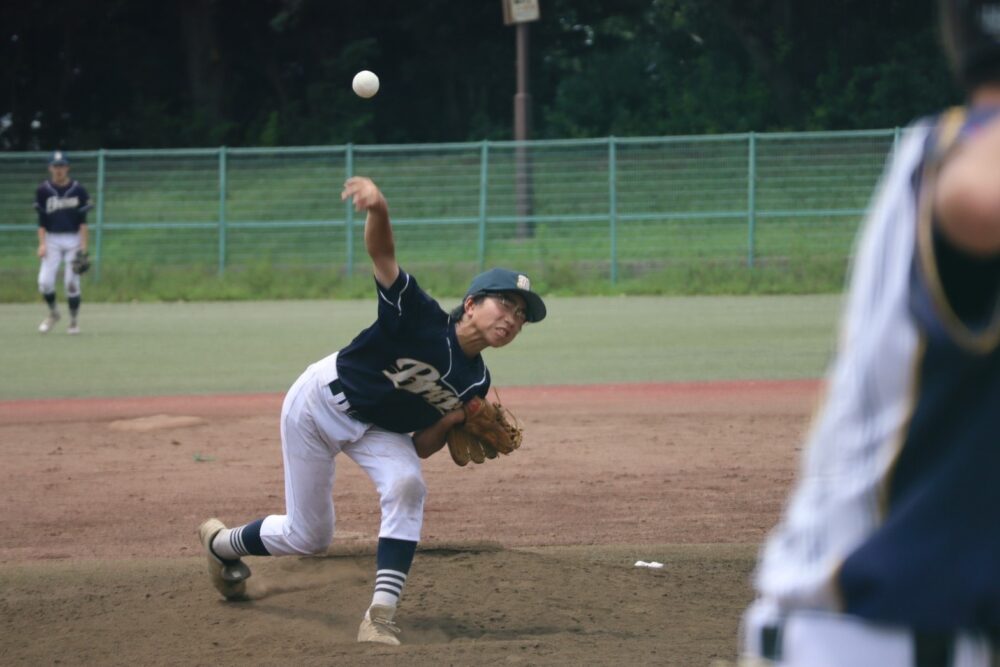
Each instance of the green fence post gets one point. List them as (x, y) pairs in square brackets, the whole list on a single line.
[(222, 210), (349, 211), (98, 233), (751, 197), (613, 207), (484, 156)]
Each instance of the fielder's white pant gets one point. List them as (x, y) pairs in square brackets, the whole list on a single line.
[(828, 639), (59, 248), (314, 429)]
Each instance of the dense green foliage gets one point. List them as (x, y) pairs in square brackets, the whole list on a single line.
[(115, 73)]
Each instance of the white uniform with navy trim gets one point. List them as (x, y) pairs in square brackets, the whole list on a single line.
[(868, 396), (881, 543)]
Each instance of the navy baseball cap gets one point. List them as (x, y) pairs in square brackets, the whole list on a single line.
[(505, 280), (58, 158)]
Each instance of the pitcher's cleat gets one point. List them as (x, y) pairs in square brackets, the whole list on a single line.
[(48, 322), (228, 576), (74, 327), (377, 626)]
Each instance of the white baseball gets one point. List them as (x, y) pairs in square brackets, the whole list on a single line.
[(365, 83)]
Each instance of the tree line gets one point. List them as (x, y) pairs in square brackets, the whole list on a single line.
[(124, 73)]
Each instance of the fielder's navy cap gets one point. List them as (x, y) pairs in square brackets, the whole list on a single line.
[(505, 280), (58, 158)]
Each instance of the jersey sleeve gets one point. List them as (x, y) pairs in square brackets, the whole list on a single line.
[(403, 306), (39, 205), (85, 204), (961, 292)]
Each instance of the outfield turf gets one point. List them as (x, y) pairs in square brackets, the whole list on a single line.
[(237, 347)]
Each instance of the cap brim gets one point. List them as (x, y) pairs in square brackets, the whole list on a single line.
[(534, 303)]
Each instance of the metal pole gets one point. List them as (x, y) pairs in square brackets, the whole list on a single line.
[(751, 197), (349, 211), (613, 207), (98, 233), (523, 181), (484, 156), (222, 210)]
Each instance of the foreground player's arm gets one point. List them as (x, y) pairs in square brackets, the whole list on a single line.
[(84, 237), (432, 438), (41, 242), (378, 232), (968, 194)]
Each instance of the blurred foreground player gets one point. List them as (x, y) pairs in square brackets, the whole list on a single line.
[(888, 554)]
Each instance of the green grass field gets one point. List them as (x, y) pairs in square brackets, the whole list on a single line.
[(236, 347)]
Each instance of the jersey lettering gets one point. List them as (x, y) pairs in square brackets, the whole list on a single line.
[(53, 204), (419, 378)]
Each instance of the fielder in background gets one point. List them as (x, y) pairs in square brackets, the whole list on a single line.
[(888, 554), (417, 370), (62, 205)]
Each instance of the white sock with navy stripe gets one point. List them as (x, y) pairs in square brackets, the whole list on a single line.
[(233, 543), (388, 587)]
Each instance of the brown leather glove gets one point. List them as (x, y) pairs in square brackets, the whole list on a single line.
[(489, 429)]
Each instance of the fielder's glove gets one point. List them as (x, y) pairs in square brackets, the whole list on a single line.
[(489, 429), (81, 262)]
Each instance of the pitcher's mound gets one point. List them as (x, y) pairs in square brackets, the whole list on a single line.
[(155, 423)]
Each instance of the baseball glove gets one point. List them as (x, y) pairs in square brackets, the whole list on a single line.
[(81, 262), (489, 430)]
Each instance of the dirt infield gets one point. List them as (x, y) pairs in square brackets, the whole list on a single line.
[(525, 560)]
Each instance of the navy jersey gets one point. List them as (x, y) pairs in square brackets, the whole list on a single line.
[(62, 208), (407, 369)]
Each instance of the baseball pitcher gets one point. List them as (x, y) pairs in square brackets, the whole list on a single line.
[(405, 387)]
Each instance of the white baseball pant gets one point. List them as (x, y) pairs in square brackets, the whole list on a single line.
[(59, 248), (314, 429), (828, 639)]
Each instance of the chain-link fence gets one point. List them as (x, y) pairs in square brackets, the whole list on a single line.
[(609, 208)]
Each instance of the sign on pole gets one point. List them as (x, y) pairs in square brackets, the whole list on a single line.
[(519, 11)]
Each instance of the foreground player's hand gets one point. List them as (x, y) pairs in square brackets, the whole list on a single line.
[(41, 250), (363, 192)]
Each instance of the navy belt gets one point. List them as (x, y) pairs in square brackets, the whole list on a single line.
[(336, 387), (337, 391)]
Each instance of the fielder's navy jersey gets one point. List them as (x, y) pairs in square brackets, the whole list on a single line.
[(407, 369), (62, 208)]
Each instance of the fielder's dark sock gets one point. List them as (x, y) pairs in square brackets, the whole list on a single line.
[(393, 561), (231, 543), (50, 298), (74, 306)]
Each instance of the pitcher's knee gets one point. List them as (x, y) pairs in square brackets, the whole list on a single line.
[(310, 542), (47, 288), (408, 490)]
